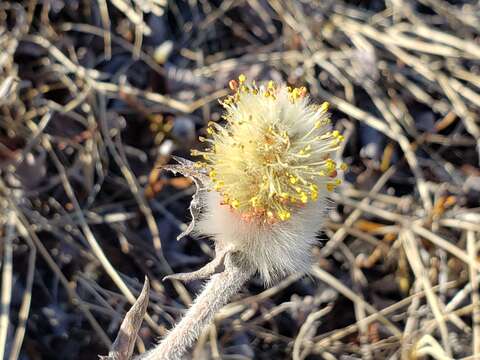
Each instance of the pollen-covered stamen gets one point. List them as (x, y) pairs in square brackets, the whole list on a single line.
[(273, 155)]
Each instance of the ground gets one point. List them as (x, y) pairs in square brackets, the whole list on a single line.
[(95, 96)]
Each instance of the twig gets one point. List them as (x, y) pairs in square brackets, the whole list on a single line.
[(348, 293), (341, 233), (218, 291), (6, 294), (305, 328), (95, 246), (27, 298), (473, 272), (102, 4), (24, 227), (415, 261)]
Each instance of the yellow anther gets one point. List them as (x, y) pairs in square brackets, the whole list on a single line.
[(235, 203), (227, 101), (284, 195), (330, 187), (283, 214), (194, 152), (303, 198), (293, 179), (324, 106), (209, 130), (295, 94), (212, 174), (343, 166), (255, 201), (271, 85), (331, 165), (242, 78)]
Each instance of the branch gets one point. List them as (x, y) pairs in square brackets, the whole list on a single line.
[(217, 292)]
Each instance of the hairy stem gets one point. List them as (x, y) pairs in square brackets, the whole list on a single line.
[(217, 292)]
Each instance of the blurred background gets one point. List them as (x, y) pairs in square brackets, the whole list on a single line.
[(96, 95)]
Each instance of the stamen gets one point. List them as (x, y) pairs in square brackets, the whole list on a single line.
[(266, 166)]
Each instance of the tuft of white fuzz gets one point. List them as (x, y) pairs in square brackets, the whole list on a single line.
[(275, 250), (265, 177)]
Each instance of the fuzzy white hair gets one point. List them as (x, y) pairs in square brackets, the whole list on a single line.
[(275, 250)]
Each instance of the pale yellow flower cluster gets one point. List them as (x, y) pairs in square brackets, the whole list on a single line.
[(274, 153)]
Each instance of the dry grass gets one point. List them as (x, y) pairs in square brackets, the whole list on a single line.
[(96, 95)]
